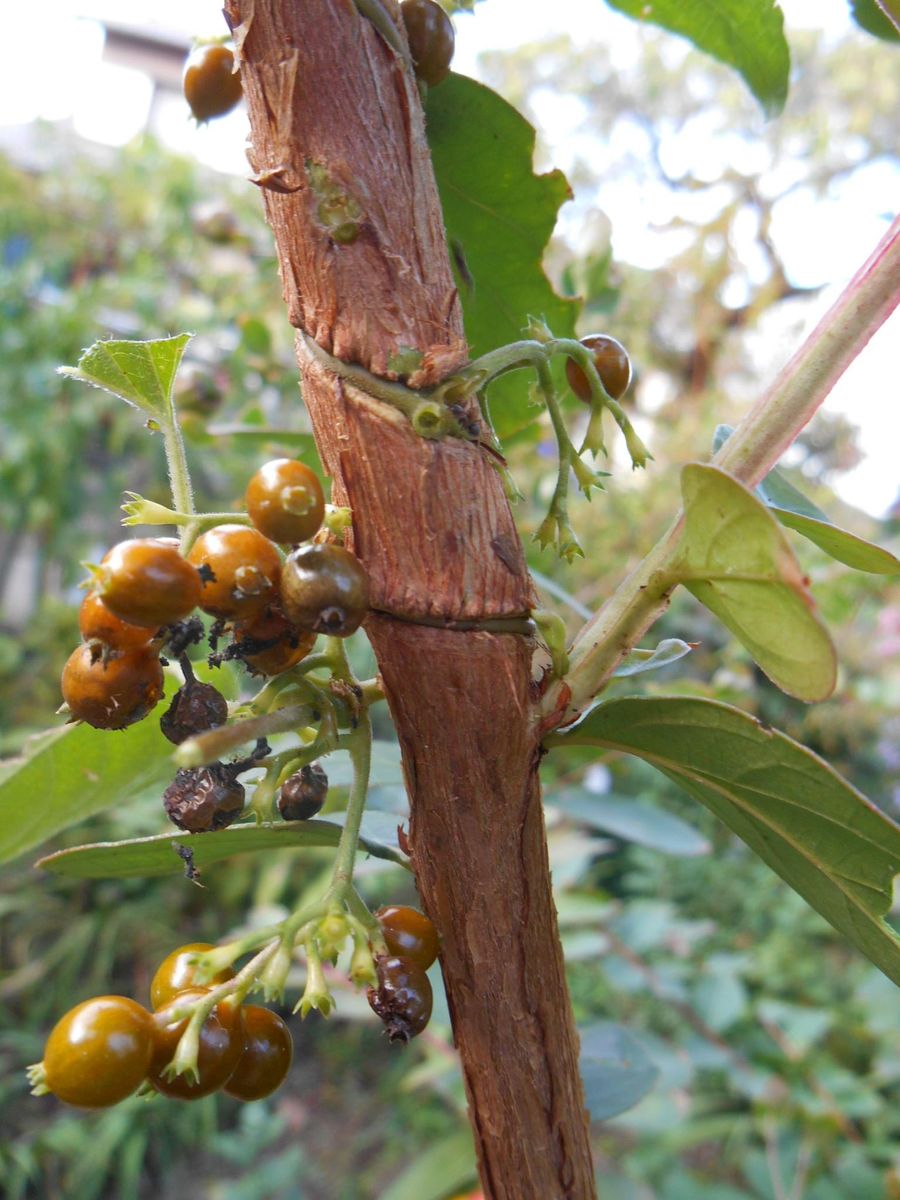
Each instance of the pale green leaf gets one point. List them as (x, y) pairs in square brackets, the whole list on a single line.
[(499, 217), (841, 545), (737, 562), (747, 35), (798, 512), (141, 373), (615, 1068), (148, 856), (824, 838)]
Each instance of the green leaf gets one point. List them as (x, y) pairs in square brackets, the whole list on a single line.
[(798, 512), (155, 855), (141, 373), (615, 1068), (499, 217), (846, 547), (68, 774), (745, 34), (632, 821), (817, 832), (737, 562), (872, 19), (668, 651), (437, 1172)]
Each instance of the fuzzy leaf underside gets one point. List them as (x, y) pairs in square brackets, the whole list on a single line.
[(831, 844)]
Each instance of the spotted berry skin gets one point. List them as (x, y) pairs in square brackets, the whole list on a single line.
[(285, 502), (111, 691), (325, 589), (239, 568)]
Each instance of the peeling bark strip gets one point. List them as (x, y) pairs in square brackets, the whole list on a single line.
[(336, 117)]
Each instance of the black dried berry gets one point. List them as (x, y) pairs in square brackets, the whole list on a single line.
[(402, 999), (303, 794), (195, 708), (204, 798)]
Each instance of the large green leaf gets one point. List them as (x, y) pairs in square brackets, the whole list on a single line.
[(499, 216), (615, 1068), (736, 561), (798, 512), (745, 34), (71, 773), (143, 857), (828, 841), (141, 373)]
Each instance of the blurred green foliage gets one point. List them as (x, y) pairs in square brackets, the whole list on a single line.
[(776, 1044)]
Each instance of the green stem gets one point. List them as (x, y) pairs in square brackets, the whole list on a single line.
[(359, 744), (179, 476), (751, 451), (209, 747)]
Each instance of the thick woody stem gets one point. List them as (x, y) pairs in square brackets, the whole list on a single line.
[(335, 110)]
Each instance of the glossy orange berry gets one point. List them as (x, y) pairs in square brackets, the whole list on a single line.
[(221, 1044), (431, 39), (177, 973), (266, 1057), (284, 500), (99, 1052), (112, 691), (270, 644), (409, 934), (612, 363), (97, 624), (211, 85), (145, 581), (240, 569), (325, 589)]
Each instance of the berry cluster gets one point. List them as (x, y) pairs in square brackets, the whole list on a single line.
[(268, 604), (403, 996), (106, 1048), (190, 1043)]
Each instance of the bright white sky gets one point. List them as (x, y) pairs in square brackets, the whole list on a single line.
[(822, 243)]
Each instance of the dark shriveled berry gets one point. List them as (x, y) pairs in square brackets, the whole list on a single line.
[(204, 798), (303, 794), (402, 999), (195, 708)]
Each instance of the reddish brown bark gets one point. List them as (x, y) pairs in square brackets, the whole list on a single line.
[(329, 100)]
